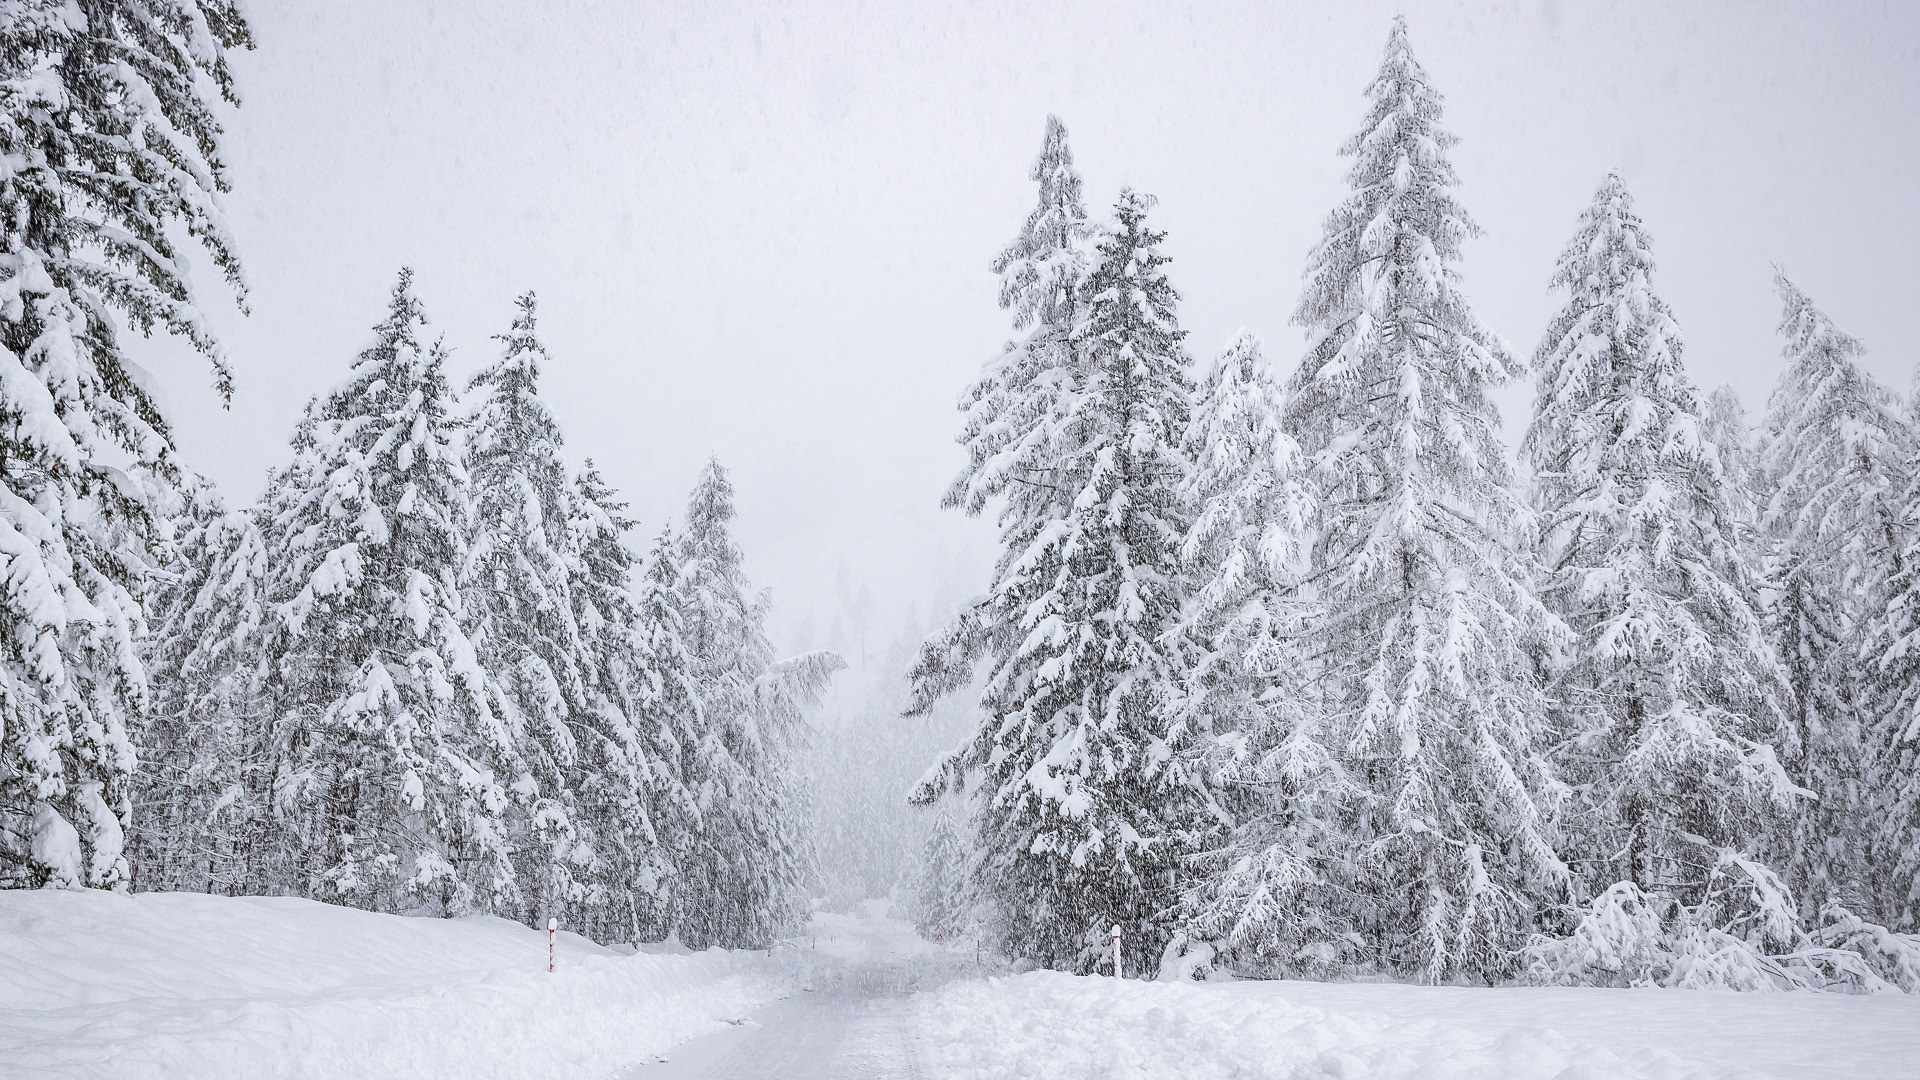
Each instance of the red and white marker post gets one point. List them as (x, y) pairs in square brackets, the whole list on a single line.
[(1116, 950), (554, 924)]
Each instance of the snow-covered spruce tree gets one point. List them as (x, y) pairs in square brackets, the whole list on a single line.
[(518, 596), (636, 704), (1260, 892), (395, 772), (1891, 774), (202, 792), (1013, 409), (690, 769), (1668, 700), (112, 154), (1894, 745), (1089, 804), (1833, 450), (747, 880), (1421, 565)]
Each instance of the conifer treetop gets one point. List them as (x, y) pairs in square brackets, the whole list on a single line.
[(710, 514), (515, 380), (1382, 303), (513, 452), (1612, 346), (1401, 228), (1038, 269), (1130, 300), (1730, 432), (1810, 336), (1826, 419), (371, 385)]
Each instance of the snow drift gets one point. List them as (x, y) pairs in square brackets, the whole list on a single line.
[(1052, 1026), (188, 985)]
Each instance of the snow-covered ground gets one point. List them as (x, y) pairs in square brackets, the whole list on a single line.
[(1048, 1026), (203, 987), (182, 985)]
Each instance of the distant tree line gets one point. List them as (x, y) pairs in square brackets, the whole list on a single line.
[(1287, 672)]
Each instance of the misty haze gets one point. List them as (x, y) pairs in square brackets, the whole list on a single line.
[(833, 540)]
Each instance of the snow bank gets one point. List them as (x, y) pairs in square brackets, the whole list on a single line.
[(1049, 1026), (186, 985)]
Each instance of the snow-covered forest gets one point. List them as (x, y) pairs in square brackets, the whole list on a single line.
[(1289, 671), (1287, 666), (428, 671)]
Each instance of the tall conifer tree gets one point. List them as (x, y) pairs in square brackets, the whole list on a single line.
[(1730, 432), (1834, 447), (1090, 803), (1261, 893), (747, 881), (520, 607), (1891, 801), (1013, 408), (1421, 564), (627, 726), (1669, 698), (395, 771), (693, 770), (112, 151)]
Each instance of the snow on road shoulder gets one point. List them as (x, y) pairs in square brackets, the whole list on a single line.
[(1792, 1036), (1049, 1026), (185, 985)]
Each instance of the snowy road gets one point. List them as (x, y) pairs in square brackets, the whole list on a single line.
[(830, 1036), (852, 1024)]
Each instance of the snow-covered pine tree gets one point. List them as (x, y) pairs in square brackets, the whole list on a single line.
[(202, 792), (1246, 551), (1891, 799), (112, 151), (1089, 802), (1013, 410), (1667, 701), (692, 769), (395, 771), (518, 597), (1421, 566), (1894, 745), (747, 881), (1834, 449), (636, 704)]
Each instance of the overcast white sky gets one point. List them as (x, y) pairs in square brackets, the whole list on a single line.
[(762, 231)]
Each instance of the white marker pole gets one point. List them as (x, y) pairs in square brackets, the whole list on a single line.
[(1116, 950), (554, 924)]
